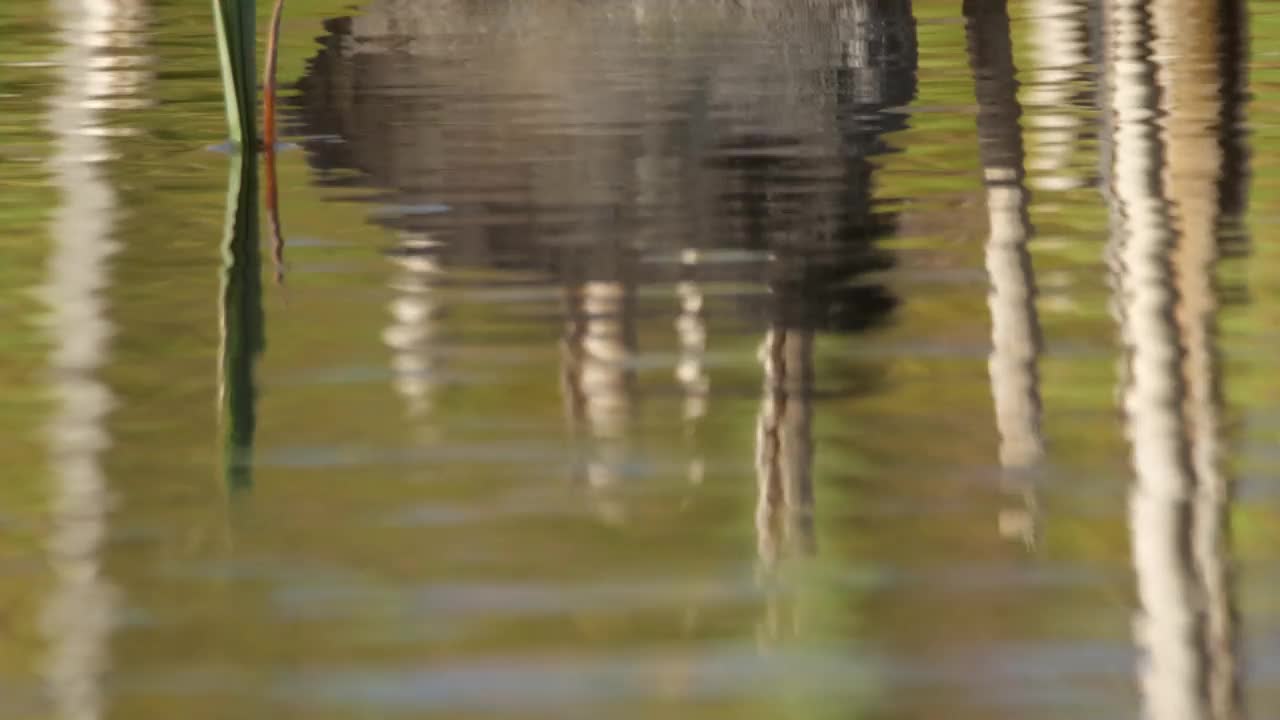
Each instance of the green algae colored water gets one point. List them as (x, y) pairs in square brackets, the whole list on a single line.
[(644, 358)]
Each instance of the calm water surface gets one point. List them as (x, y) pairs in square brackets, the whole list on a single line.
[(644, 358)]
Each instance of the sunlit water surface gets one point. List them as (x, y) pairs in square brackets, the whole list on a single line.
[(644, 358)]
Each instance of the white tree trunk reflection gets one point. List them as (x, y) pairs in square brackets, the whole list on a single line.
[(784, 446), (1166, 160), (96, 75), (784, 458), (1015, 325), (1060, 60)]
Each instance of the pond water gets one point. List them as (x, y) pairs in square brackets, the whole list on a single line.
[(639, 358)]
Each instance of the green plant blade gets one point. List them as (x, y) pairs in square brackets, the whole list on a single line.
[(235, 25), (243, 321)]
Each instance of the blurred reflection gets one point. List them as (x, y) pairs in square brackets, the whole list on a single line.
[(272, 196), (243, 327), (784, 445), (1173, 103), (679, 145), (1015, 325), (597, 380), (97, 72), (690, 372), (411, 335), (817, 279), (1060, 71), (784, 463)]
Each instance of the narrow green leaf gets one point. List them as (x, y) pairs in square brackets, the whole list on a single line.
[(235, 25), (243, 321)]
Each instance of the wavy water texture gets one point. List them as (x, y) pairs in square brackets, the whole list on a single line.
[(642, 358)]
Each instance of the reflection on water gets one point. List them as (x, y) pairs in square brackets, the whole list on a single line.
[(597, 377), (691, 372), (98, 72), (784, 446), (1171, 135), (583, 182), (566, 278), (577, 187), (411, 334), (243, 335), (1015, 325), (1060, 48)]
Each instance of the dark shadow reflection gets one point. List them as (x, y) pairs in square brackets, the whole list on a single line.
[(1015, 325), (243, 325), (1174, 180), (818, 280), (680, 145)]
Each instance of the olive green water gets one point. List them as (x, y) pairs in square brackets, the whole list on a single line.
[(644, 359)]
